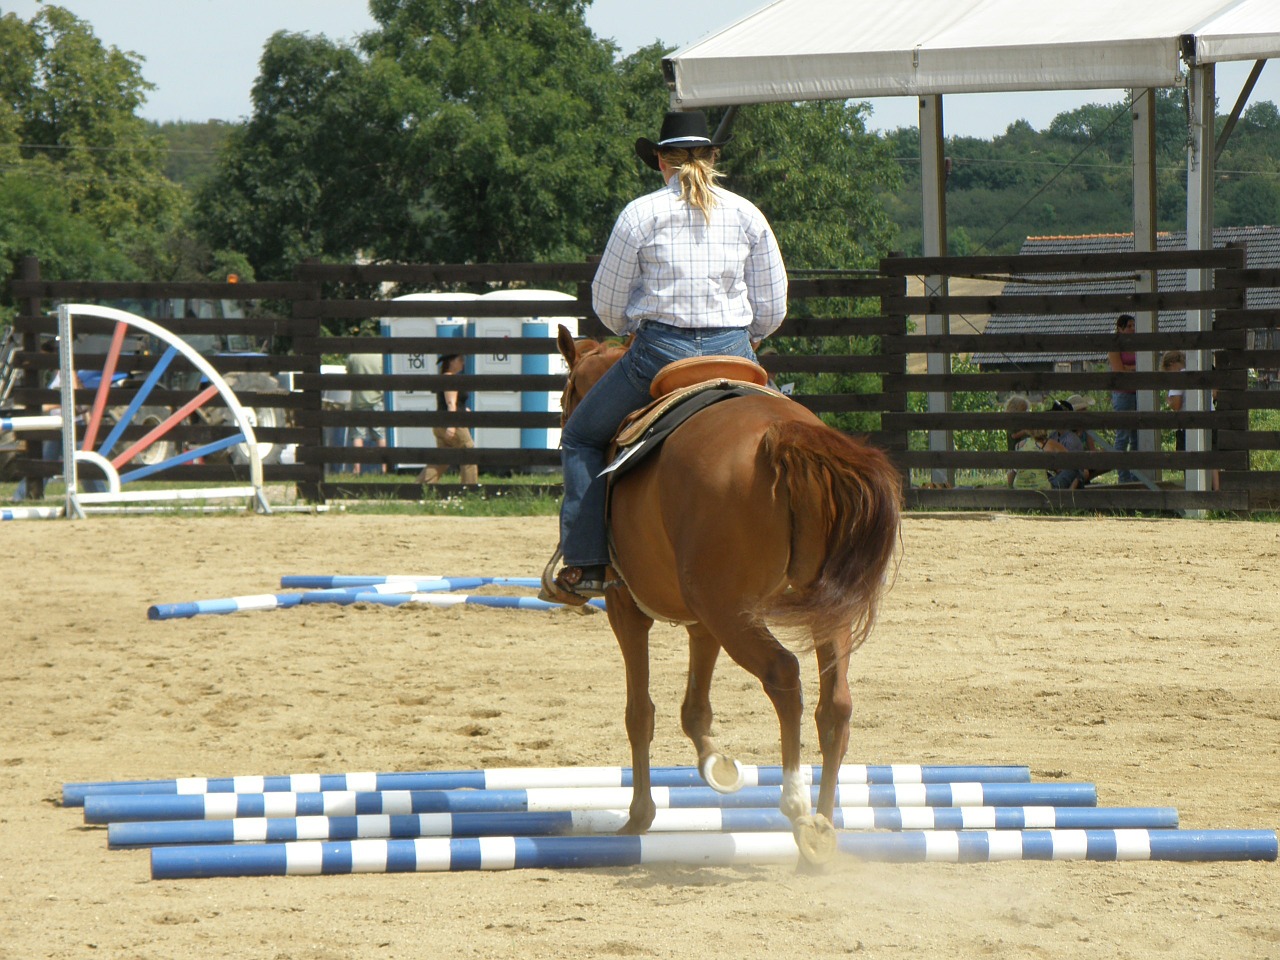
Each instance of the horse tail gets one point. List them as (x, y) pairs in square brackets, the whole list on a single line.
[(846, 500)]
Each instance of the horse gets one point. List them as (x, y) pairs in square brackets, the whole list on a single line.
[(752, 513)]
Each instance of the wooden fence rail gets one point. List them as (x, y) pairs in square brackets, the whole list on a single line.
[(314, 320)]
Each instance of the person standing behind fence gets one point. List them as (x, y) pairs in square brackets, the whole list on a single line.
[(452, 437), (363, 401), (1124, 361), (1175, 361)]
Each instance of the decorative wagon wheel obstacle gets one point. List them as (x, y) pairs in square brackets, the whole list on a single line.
[(150, 454)]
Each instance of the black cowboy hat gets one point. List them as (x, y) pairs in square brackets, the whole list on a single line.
[(680, 128)]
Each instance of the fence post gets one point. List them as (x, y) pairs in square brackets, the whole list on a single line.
[(308, 347), (897, 403), (31, 375)]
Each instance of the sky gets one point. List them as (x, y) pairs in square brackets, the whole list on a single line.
[(202, 55)]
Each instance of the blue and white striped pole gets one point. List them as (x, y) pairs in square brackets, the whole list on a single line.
[(311, 858), (524, 778), (452, 582), (41, 422), (30, 513), (227, 806), (282, 601), (457, 599), (394, 593), (154, 833)]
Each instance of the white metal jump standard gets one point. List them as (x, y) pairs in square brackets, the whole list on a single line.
[(76, 501)]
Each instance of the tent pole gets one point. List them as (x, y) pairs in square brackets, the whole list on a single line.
[(1144, 236), (934, 244), (1200, 149)]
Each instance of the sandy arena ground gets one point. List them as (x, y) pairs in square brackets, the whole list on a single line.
[(1138, 655)]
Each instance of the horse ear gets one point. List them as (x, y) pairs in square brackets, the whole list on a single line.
[(568, 349)]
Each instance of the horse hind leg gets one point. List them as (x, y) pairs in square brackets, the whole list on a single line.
[(835, 707), (758, 652), (720, 771)]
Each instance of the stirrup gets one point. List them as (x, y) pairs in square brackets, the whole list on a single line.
[(560, 585), (552, 590)]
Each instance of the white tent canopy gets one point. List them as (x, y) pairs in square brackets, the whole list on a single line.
[(838, 49), (793, 50)]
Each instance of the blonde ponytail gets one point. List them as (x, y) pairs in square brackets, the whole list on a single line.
[(696, 168)]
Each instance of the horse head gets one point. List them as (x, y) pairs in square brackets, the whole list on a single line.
[(588, 360)]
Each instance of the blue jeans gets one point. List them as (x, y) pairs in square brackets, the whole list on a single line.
[(622, 390), (1125, 439)]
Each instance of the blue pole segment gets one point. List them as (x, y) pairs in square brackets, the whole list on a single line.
[(143, 392), (209, 448), (266, 860), (1201, 845), (326, 582)]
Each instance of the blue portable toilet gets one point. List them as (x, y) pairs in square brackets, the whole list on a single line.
[(539, 401)]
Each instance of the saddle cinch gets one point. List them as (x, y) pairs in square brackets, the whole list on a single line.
[(680, 390)]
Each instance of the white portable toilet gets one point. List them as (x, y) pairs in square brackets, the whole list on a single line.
[(421, 364), (539, 401), (336, 436)]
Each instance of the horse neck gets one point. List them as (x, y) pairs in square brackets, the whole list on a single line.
[(604, 358)]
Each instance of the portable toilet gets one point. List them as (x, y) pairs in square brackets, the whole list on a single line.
[(539, 326), (336, 436), (420, 364)]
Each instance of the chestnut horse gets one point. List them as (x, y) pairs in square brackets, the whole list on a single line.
[(753, 512)]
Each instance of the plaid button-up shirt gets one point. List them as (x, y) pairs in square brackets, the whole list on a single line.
[(665, 262)]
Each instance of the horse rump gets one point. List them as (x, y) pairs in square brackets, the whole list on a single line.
[(845, 499)]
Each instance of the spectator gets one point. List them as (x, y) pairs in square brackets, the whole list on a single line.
[(1175, 361), (1034, 478), (1016, 403), (451, 437), (365, 401), (1072, 439), (1125, 361)]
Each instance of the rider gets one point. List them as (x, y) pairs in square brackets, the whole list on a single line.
[(690, 270)]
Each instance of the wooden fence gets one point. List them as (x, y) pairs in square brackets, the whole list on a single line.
[(315, 316)]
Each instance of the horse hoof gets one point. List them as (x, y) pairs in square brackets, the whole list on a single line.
[(816, 840), (722, 774)]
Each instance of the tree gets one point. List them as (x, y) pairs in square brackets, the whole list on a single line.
[(314, 173), (75, 101), (492, 131), (82, 186), (816, 172)]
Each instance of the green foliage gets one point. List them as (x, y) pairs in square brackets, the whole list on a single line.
[(74, 101), (457, 132), (82, 184), (1073, 178), (816, 172), (37, 219), (192, 150), (978, 401)]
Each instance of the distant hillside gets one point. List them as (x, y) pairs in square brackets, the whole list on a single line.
[(1076, 177)]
